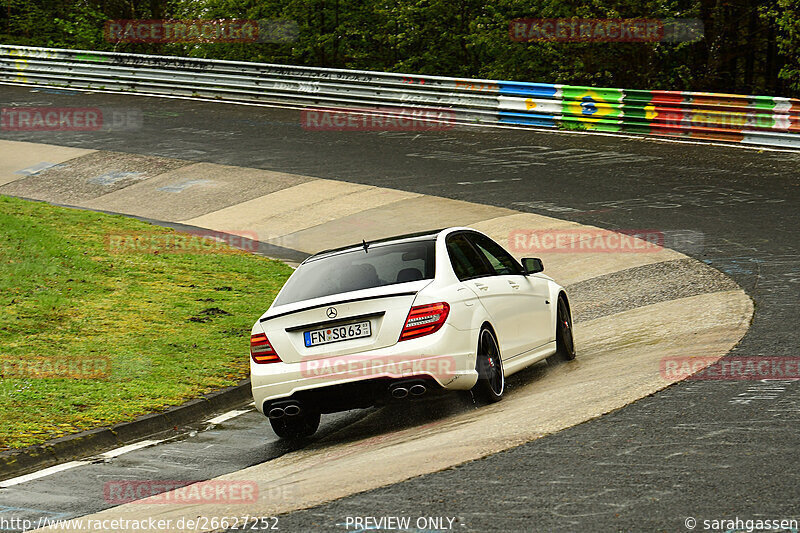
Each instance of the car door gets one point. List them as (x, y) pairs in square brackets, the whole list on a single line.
[(476, 274), (521, 300), (477, 277)]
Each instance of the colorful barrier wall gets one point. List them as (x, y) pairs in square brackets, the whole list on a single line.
[(702, 116), (759, 120)]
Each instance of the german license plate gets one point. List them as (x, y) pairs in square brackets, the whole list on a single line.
[(345, 332)]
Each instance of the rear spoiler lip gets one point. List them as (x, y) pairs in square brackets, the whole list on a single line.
[(338, 302)]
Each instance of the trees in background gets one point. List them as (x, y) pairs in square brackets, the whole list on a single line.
[(783, 36), (749, 46)]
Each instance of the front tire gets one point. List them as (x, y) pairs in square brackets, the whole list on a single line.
[(491, 377), (565, 344), (296, 427)]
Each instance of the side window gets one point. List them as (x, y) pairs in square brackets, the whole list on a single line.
[(501, 261), (466, 261)]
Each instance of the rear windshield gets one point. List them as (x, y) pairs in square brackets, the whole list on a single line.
[(384, 264)]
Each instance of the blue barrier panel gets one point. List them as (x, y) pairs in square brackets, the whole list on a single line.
[(529, 119), (519, 88)]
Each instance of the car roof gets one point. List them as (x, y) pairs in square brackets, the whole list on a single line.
[(408, 237)]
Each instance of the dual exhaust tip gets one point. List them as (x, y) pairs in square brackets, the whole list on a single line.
[(403, 390), (398, 391), (279, 411)]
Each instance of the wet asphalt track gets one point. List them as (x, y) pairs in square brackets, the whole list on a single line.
[(708, 449)]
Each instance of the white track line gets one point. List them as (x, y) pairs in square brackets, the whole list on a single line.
[(129, 448), (226, 416), (111, 454), (72, 464), (41, 473)]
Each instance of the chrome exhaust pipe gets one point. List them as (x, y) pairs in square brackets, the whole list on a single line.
[(292, 409), (276, 412), (418, 390), (399, 392)]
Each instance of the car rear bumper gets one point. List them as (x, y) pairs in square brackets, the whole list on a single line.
[(372, 370)]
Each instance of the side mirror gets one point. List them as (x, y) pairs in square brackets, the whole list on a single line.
[(532, 265)]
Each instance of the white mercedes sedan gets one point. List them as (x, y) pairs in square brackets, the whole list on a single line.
[(398, 318)]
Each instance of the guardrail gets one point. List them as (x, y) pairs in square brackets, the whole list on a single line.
[(757, 120)]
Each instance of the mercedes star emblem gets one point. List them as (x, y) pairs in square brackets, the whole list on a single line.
[(331, 312)]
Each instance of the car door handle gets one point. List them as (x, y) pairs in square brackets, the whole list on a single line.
[(465, 293), (482, 287)]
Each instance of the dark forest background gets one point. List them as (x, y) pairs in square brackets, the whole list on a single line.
[(750, 47)]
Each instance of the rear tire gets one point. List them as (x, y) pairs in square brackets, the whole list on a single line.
[(296, 427), (491, 378), (565, 345)]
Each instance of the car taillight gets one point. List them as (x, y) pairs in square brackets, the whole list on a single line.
[(424, 320), (261, 350)]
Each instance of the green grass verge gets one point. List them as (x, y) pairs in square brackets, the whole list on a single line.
[(170, 326)]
